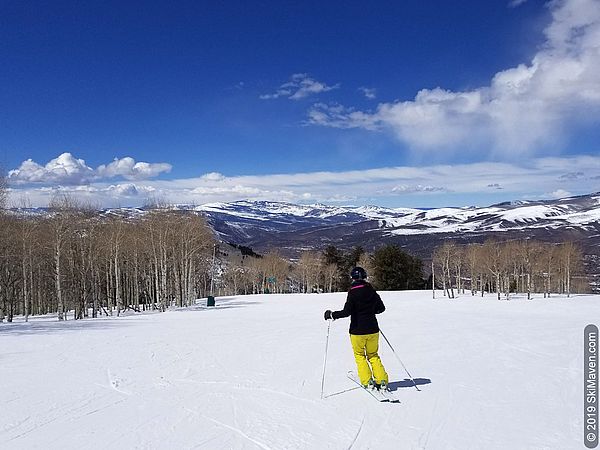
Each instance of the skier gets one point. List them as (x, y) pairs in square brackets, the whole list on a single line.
[(362, 303)]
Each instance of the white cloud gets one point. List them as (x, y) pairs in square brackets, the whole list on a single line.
[(411, 189), (240, 190), (213, 176), (68, 170), (338, 116), (65, 169), (559, 193), (369, 93), (417, 186), (131, 170), (301, 85), (96, 195), (126, 190), (515, 3), (527, 108)]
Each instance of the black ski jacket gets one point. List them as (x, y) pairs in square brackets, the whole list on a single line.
[(362, 303)]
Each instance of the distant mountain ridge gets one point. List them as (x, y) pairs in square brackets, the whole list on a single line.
[(248, 220), (292, 228)]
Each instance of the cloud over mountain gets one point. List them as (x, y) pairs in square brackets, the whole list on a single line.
[(131, 170), (69, 170), (420, 186)]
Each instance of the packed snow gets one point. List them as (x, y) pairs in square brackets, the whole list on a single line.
[(247, 374)]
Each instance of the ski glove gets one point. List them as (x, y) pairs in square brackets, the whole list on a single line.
[(328, 315)]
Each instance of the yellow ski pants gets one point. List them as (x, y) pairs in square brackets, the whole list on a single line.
[(365, 347)]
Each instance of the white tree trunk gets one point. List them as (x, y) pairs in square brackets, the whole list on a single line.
[(59, 297)]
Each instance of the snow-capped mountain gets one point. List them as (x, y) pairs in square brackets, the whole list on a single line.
[(261, 223)]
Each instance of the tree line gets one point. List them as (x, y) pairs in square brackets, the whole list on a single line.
[(519, 266), (73, 259), (389, 268)]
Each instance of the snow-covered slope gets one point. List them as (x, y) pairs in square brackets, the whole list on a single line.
[(293, 228), (247, 374), (583, 212)]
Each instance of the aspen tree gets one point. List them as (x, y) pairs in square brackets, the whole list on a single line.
[(494, 262), (570, 256), (330, 274), (62, 212)]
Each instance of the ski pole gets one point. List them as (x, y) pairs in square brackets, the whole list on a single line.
[(395, 354), (325, 362)]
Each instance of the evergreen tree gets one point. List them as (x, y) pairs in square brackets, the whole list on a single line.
[(344, 262), (395, 269), (348, 262), (332, 255)]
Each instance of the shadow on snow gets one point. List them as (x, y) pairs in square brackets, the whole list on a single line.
[(50, 324), (220, 303), (393, 386), (49, 327), (407, 383)]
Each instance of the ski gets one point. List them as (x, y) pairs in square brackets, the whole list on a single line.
[(390, 396), (377, 395)]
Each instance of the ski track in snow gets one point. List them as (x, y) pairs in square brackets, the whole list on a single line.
[(362, 422), (114, 382), (232, 428), (494, 373)]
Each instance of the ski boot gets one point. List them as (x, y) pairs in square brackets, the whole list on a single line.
[(371, 385)]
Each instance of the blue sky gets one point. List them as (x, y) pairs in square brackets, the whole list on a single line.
[(196, 102)]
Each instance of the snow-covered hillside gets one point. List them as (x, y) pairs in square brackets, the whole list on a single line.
[(294, 228), (583, 212), (247, 374)]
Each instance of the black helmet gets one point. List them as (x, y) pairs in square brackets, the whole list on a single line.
[(358, 273)]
